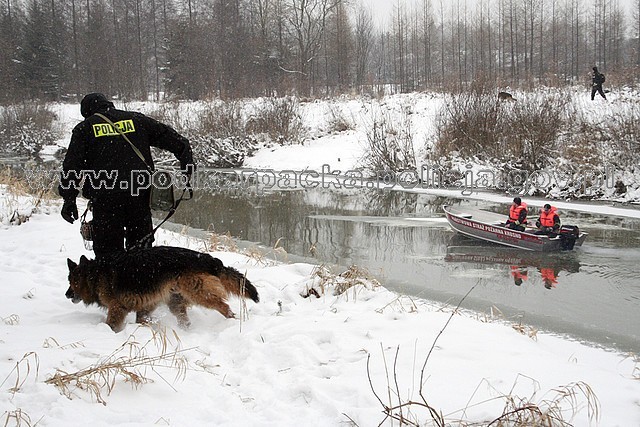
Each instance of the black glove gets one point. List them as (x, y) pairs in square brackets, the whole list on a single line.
[(69, 211)]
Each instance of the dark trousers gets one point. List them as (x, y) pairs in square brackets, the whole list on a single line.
[(120, 221), (513, 226), (597, 89)]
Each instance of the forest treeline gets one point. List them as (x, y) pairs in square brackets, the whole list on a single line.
[(199, 49)]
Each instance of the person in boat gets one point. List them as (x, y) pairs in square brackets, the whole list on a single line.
[(549, 221), (517, 215)]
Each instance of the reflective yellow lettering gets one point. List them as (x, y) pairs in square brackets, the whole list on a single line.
[(105, 129)]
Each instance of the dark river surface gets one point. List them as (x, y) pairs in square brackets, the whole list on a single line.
[(404, 240)]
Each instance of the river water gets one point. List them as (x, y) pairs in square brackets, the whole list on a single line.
[(592, 294)]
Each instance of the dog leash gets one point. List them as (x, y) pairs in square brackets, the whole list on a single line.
[(176, 203)]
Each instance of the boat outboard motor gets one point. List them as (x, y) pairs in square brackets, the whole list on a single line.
[(568, 236)]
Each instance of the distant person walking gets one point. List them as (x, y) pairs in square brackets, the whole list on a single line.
[(597, 79)]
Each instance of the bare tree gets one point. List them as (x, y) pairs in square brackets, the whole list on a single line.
[(363, 44), (428, 29), (307, 20)]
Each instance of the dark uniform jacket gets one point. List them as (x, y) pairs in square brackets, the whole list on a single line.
[(107, 158), (597, 78)]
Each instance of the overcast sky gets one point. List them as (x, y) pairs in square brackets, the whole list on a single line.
[(382, 8)]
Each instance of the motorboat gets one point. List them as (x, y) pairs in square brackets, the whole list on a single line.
[(491, 227)]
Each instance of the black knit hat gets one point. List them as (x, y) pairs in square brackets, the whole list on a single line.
[(94, 103)]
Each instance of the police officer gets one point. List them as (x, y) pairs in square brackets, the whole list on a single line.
[(102, 156)]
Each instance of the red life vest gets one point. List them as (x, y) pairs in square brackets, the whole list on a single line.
[(514, 212), (546, 218), (549, 276)]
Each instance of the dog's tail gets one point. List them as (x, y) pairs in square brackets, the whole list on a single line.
[(233, 281), (238, 284)]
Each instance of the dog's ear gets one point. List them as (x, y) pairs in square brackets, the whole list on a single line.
[(72, 265), (84, 260)]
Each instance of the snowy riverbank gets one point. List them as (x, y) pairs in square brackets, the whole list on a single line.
[(289, 360)]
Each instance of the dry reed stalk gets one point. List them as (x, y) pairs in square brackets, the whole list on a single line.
[(18, 186), (529, 331), (397, 304), (19, 418), (549, 412), (21, 377), (12, 320), (129, 362), (223, 242), (355, 278)]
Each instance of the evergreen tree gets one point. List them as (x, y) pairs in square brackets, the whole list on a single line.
[(37, 57), (8, 45)]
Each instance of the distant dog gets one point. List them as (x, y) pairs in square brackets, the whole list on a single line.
[(141, 280), (505, 96)]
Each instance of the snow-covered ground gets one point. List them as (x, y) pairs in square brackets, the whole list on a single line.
[(288, 360)]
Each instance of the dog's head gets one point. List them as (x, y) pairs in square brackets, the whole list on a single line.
[(77, 280)]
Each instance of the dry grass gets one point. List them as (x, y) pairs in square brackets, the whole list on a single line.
[(18, 418), (475, 124), (564, 403), (129, 363), (354, 278), (557, 407), (227, 243), (338, 122), (470, 123), (558, 410), (635, 374), (390, 143), (11, 320), (279, 118), (526, 330), (24, 368), (223, 243), (402, 304), (16, 211)]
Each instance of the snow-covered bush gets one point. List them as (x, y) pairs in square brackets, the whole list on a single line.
[(279, 118), (390, 142), (25, 129), (476, 124), (532, 128), (471, 124), (224, 133)]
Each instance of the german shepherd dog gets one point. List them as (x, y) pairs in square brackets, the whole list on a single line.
[(140, 280)]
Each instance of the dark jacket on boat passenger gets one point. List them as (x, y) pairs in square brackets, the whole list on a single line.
[(549, 221), (517, 215)]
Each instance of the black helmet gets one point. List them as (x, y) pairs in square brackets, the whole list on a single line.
[(94, 103), (517, 200)]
